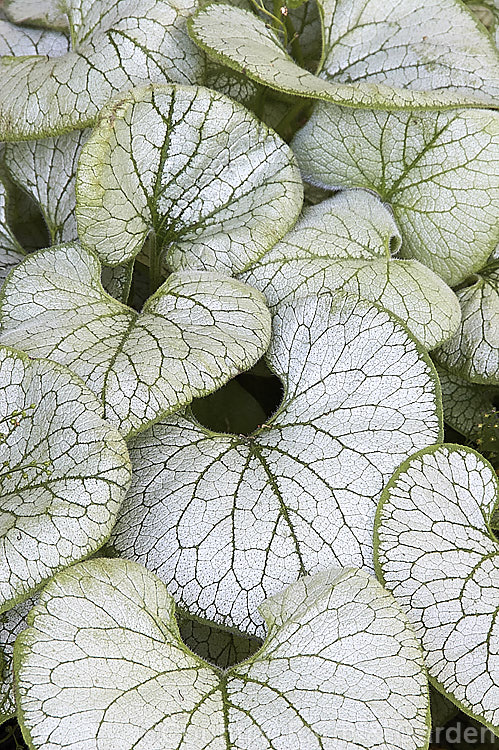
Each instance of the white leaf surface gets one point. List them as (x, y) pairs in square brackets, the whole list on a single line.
[(227, 520), (12, 623), (340, 668), (436, 552), (473, 352), (64, 471), (438, 171), (39, 13), (115, 45), (466, 405), (345, 243), (19, 41), (194, 334), (376, 54), (216, 186), (46, 169)]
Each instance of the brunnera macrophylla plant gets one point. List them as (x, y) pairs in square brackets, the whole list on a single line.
[(199, 201)]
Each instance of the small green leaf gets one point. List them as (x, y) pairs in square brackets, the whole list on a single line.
[(436, 552), (438, 171), (376, 54), (473, 352), (115, 45), (346, 243), (198, 330), (226, 520), (46, 169), (63, 473), (102, 659), (215, 186)]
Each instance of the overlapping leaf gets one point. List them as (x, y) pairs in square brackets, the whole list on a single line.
[(216, 187), (12, 623), (198, 330), (473, 352), (11, 252), (340, 667), (115, 45), (346, 242), (467, 406), (436, 552), (20, 41), (438, 171), (38, 13), (227, 520), (376, 54), (64, 471), (46, 169)]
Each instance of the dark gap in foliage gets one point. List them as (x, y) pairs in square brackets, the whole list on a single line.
[(463, 733), (394, 245), (243, 404), (139, 288), (11, 737), (26, 220), (218, 646)]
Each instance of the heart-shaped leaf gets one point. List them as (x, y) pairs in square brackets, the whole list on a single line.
[(115, 45), (376, 54), (436, 552), (473, 352), (467, 406), (46, 169), (438, 171), (345, 243), (198, 331), (103, 659), (227, 520), (215, 186), (64, 471)]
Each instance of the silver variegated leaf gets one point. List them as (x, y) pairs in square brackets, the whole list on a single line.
[(346, 243), (46, 169), (436, 552), (215, 186), (12, 623), (466, 405), (473, 352), (102, 658), (376, 54), (437, 170), (48, 14), (64, 471), (195, 333), (115, 45), (227, 520)]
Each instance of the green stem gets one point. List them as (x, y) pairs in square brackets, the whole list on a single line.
[(295, 42), (286, 126), (154, 263)]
